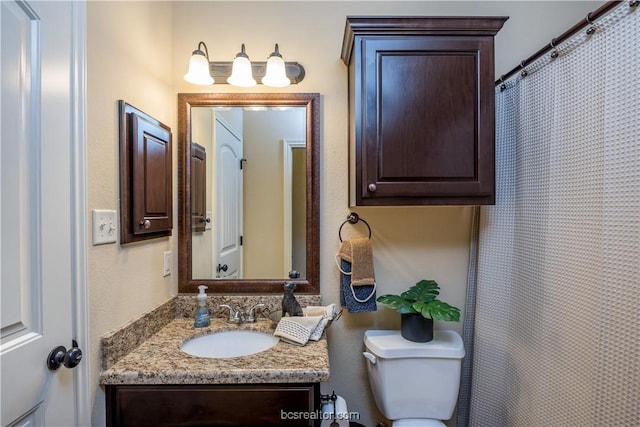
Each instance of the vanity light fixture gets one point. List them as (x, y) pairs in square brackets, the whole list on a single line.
[(199, 73), (275, 72)]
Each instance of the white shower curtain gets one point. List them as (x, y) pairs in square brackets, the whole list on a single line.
[(557, 332)]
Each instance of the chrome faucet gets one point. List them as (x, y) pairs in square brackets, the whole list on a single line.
[(235, 316), (251, 314), (239, 316)]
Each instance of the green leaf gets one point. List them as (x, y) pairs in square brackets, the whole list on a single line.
[(397, 303), (423, 291), (421, 298), (437, 310)]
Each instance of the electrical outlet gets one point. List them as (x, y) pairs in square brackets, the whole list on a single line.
[(168, 261), (104, 226)]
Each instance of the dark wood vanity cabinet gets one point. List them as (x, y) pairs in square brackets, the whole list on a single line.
[(266, 405), (421, 106)]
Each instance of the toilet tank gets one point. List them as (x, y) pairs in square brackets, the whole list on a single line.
[(414, 380)]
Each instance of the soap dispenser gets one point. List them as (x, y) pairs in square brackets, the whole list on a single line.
[(203, 318)]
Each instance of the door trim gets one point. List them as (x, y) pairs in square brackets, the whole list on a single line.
[(288, 144), (79, 211)]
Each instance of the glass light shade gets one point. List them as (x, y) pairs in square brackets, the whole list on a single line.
[(276, 75), (241, 73), (199, 73)]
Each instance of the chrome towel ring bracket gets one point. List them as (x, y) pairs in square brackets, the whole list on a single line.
[(353, 218)]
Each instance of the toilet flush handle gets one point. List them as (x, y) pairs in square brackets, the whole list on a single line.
[(370, 357)]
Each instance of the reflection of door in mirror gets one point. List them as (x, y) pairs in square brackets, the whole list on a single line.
[(198, 187), (256, 219), (227, 200)]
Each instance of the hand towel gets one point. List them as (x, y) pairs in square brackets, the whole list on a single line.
[(297, 329), (327, 313), (357, 278), (355, 299), (359, 253)]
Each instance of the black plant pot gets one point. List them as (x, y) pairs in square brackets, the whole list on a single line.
[(414, 327)]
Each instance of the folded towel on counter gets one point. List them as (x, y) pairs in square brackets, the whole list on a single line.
[(357, 276), (328, 313), (299, 330), (359, 253)]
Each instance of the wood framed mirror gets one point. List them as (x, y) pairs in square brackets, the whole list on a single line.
[(208, 209)]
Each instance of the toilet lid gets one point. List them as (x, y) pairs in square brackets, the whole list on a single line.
[(389, 344)]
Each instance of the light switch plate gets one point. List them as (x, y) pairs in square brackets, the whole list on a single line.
[(167, 263), (105, 226)]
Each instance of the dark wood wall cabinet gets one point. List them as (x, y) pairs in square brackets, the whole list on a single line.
[(421, 107), (146, 197), (267, 405), (198, 187)]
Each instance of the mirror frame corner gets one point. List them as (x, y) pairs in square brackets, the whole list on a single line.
[(311, 101)]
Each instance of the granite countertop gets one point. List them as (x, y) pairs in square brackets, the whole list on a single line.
[(159, 360)]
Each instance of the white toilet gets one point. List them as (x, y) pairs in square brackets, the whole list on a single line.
[(414, 384)]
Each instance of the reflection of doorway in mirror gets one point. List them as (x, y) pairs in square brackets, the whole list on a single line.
[(263, 226), (295, 196), (227, 200)]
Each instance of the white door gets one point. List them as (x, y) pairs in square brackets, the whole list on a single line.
[(227, 222), (37, 211)]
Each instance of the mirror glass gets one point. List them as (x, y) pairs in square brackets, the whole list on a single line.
[(248, 198), (250, 193)]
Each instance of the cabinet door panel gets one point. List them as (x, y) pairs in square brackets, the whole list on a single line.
[(422, 132), (152, 177), (434, 118)]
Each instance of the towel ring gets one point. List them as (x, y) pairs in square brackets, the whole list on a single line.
[(353, 218)]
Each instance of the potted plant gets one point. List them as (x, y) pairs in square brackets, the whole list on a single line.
[(419, 307)]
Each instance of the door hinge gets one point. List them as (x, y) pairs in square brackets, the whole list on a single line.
[(241, 240), (241, 163)]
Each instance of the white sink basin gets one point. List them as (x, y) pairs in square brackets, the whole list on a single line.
[(225, 344)]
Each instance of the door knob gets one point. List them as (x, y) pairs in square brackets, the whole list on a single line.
[(372, 188), (146, 224), (220, 268), (61, 356)]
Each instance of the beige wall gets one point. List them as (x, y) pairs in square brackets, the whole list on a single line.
[(138, 51), (128, 57)]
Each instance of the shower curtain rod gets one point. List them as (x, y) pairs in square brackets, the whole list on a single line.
[(591, 16)]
